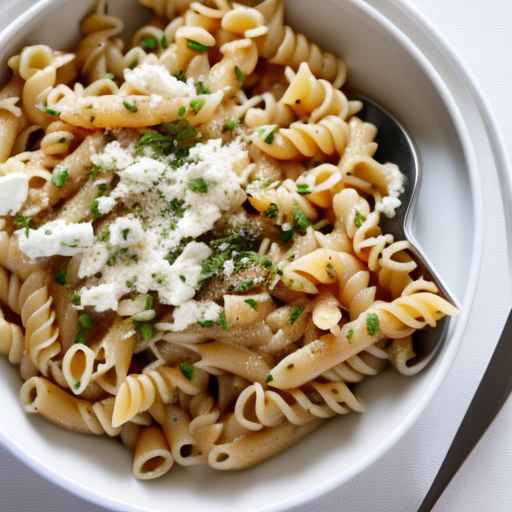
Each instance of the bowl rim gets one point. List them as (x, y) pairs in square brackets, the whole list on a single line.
[(49, 473)]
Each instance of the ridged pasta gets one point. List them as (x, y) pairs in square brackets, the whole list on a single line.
[(313, 99), (139, 392), (283, 45), (272, 408), (303, 140)]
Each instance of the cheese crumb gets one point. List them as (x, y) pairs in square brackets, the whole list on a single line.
[(56, 238), (13, 192), (396, 186), (155, 79), (125, 232), (192, 312), (105, 204), (102, 297)]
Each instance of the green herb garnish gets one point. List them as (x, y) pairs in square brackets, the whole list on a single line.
[(197, 104), (359, 219), (222, 321), (109, 76), (187, 370), (301, 221), (85, 321), (271, 212), (23, 223), (296, 313), (240, 75), (286, 235), (60, 277), (245, 286), (131, 107), (198, 185), (205, 323), (197, 47), (146, 330), (49, 111), (303, 189), (95, 209), (267, 133), (182, 111), (372, 324), (150, 43), (230, 125), (76, 300), (201, 88), (181, 76), (164, 42), (253, 304), (269, 378), (350, 335)]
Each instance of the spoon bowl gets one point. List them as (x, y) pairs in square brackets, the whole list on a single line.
[(395, 145)]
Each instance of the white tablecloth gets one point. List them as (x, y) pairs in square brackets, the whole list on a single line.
[(396, 483)]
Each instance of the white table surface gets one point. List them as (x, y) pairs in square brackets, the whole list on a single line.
[(398, 481)]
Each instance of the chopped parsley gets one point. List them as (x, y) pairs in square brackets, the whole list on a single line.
[(187, 370), (131, 107), (125, 232), (181, 76), (267, 133), (149, 302), (372, 324), (303, 189), (296, 313), (23, 223), (164, 42), (178, 207), (271, 212), (201, 88), (76, 300), (350, 335), (300, 219), (182, 111), (95, 170), (197, 104), (49, 111), (85, 321), (359, 219), (205, 323), (197, 47), (198, 185), (230, 125), (285, 235), (95, 209), (60, 177), (222, 321), (240, 75), (150, 44), (146, 330), (60, 277), (245, 285), (269, 378), (253, 304)]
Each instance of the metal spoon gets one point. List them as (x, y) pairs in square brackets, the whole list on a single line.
[(395, 145)]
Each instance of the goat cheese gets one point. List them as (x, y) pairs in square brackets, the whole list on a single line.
[(56, 238), (105, 204), (155, 79), (396, 182), (13, 192), (102, 297), (192, 312)]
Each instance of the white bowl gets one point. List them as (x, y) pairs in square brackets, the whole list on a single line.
[(387, 66)]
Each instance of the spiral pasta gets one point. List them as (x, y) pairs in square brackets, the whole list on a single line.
[(303, 140), (11, 340)]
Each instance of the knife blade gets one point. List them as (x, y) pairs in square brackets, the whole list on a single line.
[(492, 393)]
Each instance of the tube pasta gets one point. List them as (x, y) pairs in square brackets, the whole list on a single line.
[(152, 457), (254, 448)]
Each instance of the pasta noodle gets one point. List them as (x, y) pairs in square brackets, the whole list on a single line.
[(193, 257)]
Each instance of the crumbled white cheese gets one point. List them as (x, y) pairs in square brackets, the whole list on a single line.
[(114, 157), (396, 184), (13, 192), (93, 260), (155, 79), (192, 312), (125, 232), (56, 238), (105, 204), (102, 297), (145, 247)]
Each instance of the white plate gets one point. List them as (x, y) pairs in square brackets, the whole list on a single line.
[(385, 64)]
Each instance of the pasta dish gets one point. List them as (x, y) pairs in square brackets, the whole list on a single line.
[(191, 253)]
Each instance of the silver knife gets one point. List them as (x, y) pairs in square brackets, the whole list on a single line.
[(492, 393)]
